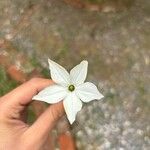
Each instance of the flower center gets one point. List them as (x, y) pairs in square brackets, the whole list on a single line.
[(71, 88)]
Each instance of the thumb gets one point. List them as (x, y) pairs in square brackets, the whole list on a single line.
[(44, 124)]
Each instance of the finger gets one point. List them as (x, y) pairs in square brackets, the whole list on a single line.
[(44, 124), (23, 94)]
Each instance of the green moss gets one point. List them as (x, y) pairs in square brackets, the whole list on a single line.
[(2, 74), (31, 115), (45, 73), (6, 84), (34, 62)]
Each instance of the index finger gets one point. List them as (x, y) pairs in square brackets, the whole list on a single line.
[(24, 93)]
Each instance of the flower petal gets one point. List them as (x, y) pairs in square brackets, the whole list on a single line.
[(51, 94), (78, 73), (72, 105), (58, 74), (88, 91)]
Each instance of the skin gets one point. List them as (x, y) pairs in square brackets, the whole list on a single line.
[(15, 133)]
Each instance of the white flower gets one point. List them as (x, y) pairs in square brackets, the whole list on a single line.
[(70, 88)]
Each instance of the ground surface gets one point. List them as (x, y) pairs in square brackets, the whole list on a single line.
[(117, 46)]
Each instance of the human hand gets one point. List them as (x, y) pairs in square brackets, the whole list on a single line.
[(15, 133)]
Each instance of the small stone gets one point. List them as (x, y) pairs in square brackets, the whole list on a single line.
[(140, 132), (8, 36), (107, 144), (121, 148), (147, 60), (127, 123)]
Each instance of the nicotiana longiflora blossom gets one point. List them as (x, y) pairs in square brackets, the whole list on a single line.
[(69, 87)]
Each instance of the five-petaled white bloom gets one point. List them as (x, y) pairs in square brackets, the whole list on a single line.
[(70, 88)]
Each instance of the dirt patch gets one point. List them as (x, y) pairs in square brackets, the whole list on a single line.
[(101, 5)]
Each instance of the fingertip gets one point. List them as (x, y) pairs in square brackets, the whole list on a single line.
[(57, 110)]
